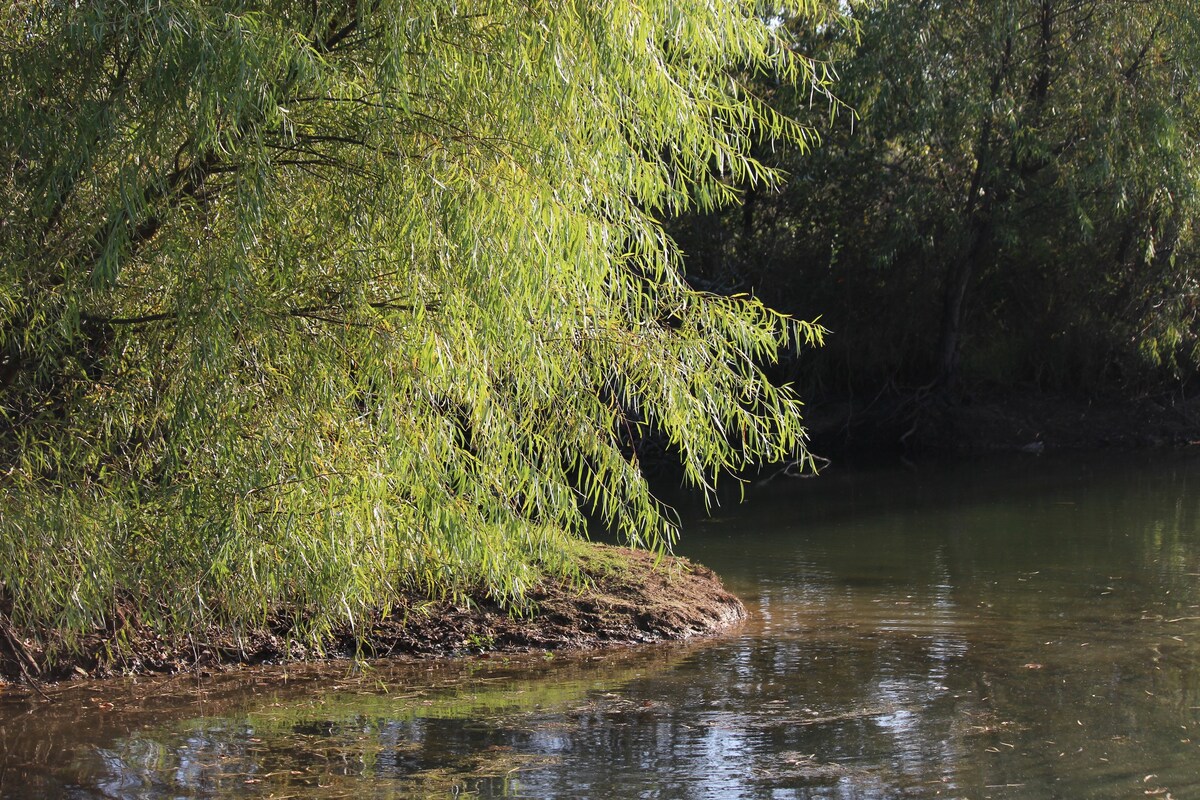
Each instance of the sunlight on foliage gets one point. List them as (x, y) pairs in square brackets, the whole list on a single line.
[(304, 304)]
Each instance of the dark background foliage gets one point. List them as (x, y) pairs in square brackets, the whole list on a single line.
[(1012, 206)]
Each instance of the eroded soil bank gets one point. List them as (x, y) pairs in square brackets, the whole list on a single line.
[(632, 597)]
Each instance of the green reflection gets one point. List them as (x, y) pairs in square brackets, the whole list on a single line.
[(319, 731), (1020, 629)]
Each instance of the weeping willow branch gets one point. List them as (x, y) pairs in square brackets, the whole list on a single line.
[(346, 300)]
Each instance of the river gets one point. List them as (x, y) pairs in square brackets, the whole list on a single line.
[(1011, 628)]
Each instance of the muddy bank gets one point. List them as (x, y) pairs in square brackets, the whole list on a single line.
[(632, 597)]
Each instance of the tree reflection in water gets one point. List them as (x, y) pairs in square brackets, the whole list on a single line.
[(1022, 630)]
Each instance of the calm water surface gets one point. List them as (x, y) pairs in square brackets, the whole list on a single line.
[(1028, 628)]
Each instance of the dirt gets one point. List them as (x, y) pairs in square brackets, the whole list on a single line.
[(631, 597)]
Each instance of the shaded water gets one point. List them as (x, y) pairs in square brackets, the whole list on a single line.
[(1021, 629)]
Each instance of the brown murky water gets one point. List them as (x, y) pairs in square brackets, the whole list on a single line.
[(1028, 628)]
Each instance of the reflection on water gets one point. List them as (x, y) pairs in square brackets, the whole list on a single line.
[(1025, 629)]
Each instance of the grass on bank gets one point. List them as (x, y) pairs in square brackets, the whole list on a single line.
[(615, 596)]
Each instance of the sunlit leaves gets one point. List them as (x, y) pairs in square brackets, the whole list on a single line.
[(304, 304)]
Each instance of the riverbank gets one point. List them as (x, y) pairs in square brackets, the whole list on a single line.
[(630, 597), (1002, 420)]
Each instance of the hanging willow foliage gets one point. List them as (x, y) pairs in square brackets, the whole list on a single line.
[(304, 304)]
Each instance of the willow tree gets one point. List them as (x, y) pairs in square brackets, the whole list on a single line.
[(305, 304)]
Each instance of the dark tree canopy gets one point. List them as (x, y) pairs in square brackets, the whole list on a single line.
[(1014, 202)]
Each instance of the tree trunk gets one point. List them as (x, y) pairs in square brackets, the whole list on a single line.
[(977, 211), (962, 273)]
